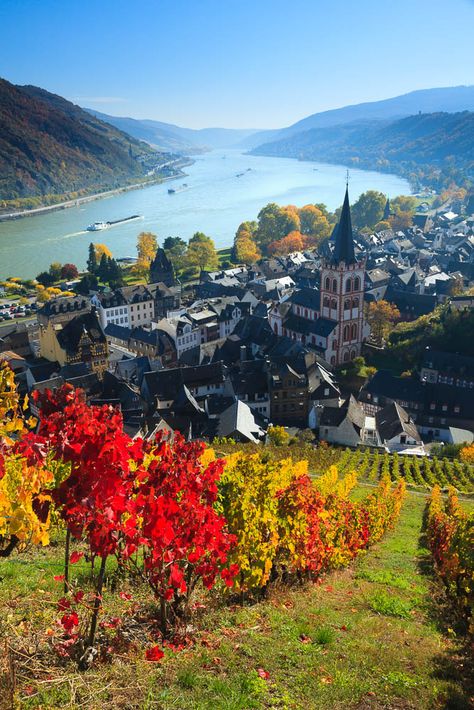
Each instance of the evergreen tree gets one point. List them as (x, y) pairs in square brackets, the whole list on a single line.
[(115, 275), (92, 260), (103, 268)]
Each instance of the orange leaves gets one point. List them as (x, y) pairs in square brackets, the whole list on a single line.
[(287, 524), (450, 533)]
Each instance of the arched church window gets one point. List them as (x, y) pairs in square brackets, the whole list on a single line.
[(348, 285), (353, 354), (327, 283), (333, 359), (305, 312), (356, 283), (347, 304), (334, 286), (346, 356), (326, 302), (354, 332), (334, 303), (346, 333), (355, 303)]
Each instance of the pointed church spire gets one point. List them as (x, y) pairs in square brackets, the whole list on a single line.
[(386, 212), (342, 235)]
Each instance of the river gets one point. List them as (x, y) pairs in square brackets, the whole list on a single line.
[(216, 201)]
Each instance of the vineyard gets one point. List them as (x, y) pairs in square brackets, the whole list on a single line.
[(421, 473)]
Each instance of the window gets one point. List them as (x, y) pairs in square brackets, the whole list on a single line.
[(354, 331), (355, 303), (346, 333), (334, 304), (346, 357), (327, 283), (347, 304), (305, 312), (457, 409), (326, 302), (334, 286), (432, 406), (356, 283), (348, 287), (444, 407)]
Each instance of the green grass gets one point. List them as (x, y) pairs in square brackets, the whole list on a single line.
[(364, 637)]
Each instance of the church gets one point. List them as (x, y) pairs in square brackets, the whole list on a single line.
[(329, 320)]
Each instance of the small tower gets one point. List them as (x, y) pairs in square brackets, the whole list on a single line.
[(342, 290), (161, 269)]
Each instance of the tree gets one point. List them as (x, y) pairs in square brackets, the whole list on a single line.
[(45, 278), (380, 316), (147, 246), (176, 249), (55, 270), (88, 283), (92, 259), (69, 271), (103, 268), (114, 275), (368, 210), (314, 223), (403, 208), (202, 252), (246, 251), (101, 249), (291, 243), (271, 225)]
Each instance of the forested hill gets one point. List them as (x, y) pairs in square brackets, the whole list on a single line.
[(417, 146), (50, 146)]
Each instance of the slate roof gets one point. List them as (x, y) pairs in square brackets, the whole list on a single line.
[(393, 420), (306, 297), (321, 326), (351, 410), (239, 419), (70, 335)]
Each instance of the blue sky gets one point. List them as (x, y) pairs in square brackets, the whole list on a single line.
[(234, 63)]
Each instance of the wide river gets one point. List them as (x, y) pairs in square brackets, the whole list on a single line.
[(216, 201)]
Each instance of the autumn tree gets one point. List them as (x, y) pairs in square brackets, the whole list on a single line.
[(147, 245), (314, 224), (403, 208), (246, 251), (291, 243), (202, 252), (55, 270), (69, 271), (101, 249), (380, 316)]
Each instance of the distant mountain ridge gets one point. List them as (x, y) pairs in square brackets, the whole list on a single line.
[(49, 146), (167, 136), (451, 99), (417, 146)]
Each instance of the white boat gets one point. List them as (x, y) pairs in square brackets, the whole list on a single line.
[(97, 226)]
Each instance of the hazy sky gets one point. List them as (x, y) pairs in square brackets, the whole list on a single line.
[(234, 63)]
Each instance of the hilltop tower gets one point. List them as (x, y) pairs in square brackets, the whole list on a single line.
[(342, 290)]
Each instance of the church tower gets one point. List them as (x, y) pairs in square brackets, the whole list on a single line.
[(342, 291)]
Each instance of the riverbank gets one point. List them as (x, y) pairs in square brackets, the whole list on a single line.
[(96, 196)]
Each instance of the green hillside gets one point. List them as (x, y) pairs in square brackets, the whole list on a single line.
[(50, 146), (435, 147)]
